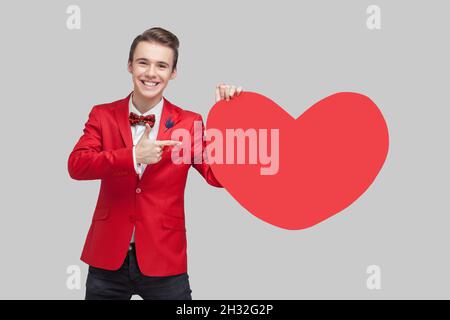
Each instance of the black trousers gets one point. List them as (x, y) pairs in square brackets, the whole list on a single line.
[(121, 284)]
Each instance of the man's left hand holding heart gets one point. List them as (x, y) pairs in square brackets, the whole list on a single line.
[(227, 92)]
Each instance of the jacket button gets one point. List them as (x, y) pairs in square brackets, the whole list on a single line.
[(138, 190)]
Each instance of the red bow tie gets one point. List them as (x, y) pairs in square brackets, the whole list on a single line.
[(135, 119)]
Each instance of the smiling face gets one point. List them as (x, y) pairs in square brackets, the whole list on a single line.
[(151, 70)]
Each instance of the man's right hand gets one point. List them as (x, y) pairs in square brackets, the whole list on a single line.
[(150, 151)]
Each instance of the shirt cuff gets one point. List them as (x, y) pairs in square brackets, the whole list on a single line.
[(137, 166)]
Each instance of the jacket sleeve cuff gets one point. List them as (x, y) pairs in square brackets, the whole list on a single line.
[(123, 162)]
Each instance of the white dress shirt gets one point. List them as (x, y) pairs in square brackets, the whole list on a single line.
[(138, 130)]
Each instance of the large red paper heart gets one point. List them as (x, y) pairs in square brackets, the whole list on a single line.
[(328, 156)]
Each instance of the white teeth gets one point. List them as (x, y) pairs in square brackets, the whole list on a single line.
[(150, 84)]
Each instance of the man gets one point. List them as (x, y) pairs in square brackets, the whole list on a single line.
[(136, 243)]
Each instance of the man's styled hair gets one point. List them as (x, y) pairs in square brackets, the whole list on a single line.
[(160, 36)]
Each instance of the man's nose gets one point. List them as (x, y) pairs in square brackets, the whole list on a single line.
[(151, 70)]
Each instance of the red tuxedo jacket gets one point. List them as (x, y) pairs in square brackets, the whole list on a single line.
[(154, 204)]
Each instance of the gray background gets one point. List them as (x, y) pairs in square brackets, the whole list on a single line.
[(295, 52)]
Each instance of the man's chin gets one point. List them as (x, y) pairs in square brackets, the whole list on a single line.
[(147, 94)]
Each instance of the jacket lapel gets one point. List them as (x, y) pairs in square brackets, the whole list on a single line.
[(122, 113), (169, 118)]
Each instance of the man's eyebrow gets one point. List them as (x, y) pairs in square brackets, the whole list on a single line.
[(146, 60)]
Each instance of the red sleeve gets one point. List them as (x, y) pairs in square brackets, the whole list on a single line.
[(203, 168), (88, 161)]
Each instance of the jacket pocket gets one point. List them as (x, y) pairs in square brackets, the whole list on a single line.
[(100, 214), (173, 223)]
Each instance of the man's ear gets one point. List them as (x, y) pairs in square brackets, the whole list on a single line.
[(174, 74)]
